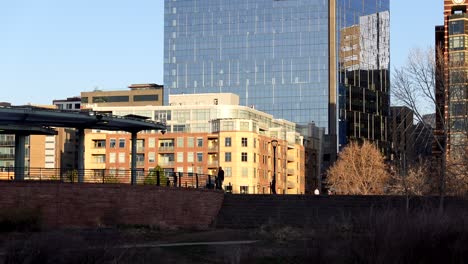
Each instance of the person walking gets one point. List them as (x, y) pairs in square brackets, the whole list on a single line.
[(220, 178)]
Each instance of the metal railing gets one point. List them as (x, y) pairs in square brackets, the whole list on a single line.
[(104, 176)]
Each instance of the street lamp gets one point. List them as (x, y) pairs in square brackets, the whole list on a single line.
[(274, 144)]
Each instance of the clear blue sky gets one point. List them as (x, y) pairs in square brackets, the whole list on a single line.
[(53, 49)]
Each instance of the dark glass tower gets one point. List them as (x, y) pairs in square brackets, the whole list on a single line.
[(301, 60)]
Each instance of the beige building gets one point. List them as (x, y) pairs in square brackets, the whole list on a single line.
[(205, 131), (138, 95)]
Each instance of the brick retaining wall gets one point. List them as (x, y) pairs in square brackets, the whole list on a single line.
[(252, 211), (92, 205)]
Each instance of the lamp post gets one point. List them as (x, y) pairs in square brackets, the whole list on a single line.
[(274, 144)]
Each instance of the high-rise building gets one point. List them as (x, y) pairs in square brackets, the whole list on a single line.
[(314, 61), (451, 89)]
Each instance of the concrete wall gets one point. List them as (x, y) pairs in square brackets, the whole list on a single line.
[(93, 205)]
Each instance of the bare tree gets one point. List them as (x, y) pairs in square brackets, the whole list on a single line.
[(421, 85), (360, 169), (412, 181)]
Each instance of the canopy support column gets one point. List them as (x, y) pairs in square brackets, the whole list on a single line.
[(81, 150), (20, 155), (133, 158)]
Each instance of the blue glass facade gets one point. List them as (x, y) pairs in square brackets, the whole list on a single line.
[(363, 43), (275, 54)]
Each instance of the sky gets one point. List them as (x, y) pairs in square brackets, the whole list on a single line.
[(54, 49)]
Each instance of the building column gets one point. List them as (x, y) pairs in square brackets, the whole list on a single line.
[(20, 155), (133, 158), (81, 150)]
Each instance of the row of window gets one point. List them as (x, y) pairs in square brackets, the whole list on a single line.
[(121, 98), (101, 143), (244, 142)]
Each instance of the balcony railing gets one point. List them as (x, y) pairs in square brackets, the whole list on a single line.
[(166, 163), (213, 148), (171, 148), (213, 163), (147, 177)]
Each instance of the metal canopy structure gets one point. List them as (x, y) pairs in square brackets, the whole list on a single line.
[(23, 121), (42, 117), (26, 130)]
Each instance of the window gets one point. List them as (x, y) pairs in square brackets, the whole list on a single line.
[(190, 142), (244, 189), (99, 158), (190, 171), (121, 157), (140, 158), (151, 142), (121, 142), (227, 157), (112, 142), (140, 144), (244, 156), (201, 114), (166, 144), (100, 143), (244, 142), (144, 98), (244, 126), (227, 126), (199, 157), (199, 142), (151, 157), (162, 115), (179, 128), (180, 142), (110, 99), (457, 42), (189, 156), (227, 142), (180, 157), (227, 172), (255, 157), (245, 172), (457, 27), (181, 116), (456, 58), (255, 143), (112, 156)]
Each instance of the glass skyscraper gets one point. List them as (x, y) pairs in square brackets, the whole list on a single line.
[(320, 61)]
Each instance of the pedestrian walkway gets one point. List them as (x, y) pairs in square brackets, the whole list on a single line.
[(185, 244)]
